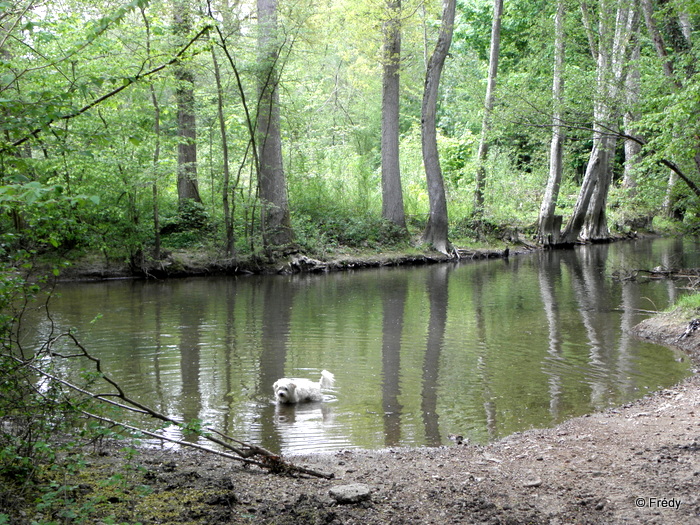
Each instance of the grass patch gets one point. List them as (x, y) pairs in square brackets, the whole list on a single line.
[(688, 304)]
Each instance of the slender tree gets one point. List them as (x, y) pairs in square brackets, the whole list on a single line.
[(436, 232), (683, 41), (633, 148), (392, 194), (156, 146), (225, 189), (548, 226), (482, 154), (272, 181)]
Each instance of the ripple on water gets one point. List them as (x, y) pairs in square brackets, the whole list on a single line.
[(480, 349)]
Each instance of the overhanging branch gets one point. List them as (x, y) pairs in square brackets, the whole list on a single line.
[(221, 444), (603, 130), (127, 82)]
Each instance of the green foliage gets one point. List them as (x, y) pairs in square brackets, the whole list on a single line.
[(319, 230), (688, 303), (88, 181), (43, 432)]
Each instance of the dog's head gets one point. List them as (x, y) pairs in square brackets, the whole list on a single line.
[(284, 390)]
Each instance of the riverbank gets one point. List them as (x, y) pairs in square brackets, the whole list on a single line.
[(193, 263), (635, 464)]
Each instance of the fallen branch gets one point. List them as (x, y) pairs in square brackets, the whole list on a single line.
[(232, 448), (658, 273), (693, 325), (271, 462)]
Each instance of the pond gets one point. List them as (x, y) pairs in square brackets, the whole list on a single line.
[(481, 349)]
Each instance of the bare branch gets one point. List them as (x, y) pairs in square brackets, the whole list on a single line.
[(231, 447)]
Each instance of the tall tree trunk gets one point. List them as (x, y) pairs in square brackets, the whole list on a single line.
[(187, 186), (156, 148), (154, 184), (482, 155), (392, 194), (548, 226), (588, 221), (225, 190), (436, 231), (275, 218)]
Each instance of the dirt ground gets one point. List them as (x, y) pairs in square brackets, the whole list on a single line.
[(638, 463)]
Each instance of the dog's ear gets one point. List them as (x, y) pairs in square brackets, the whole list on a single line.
[(292, 386)]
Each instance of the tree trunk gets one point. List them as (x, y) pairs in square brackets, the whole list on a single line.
[(156, 149), (667, 65), (392, 194), (154, 185), (633, 148), (187, 186), (436, 231), (482, 155), (548, 227), (272, 181)]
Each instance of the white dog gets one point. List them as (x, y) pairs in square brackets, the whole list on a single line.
[(294, 390)]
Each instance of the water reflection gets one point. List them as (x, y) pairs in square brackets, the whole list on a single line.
[(482, 349), (393, 305)]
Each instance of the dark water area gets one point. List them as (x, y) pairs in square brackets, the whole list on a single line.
[(481, 349)]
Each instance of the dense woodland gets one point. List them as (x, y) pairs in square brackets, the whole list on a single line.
[(135, 128)]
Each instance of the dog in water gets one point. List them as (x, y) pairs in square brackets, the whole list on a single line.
[(290, 390)]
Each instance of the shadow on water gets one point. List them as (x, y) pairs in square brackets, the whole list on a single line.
[(481, 349)]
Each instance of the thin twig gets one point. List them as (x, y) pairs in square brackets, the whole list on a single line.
[(242, 451)]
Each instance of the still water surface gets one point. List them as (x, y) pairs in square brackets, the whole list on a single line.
[(481, 348)]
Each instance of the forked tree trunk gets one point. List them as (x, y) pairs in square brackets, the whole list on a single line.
[(275, 218), (548, 225), (436, 231), (392, 193), (588, 221)]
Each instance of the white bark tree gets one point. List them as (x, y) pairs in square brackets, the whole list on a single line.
[(548, 225), (611, 46), (633, 148)]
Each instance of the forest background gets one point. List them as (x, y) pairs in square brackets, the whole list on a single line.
[(244, 128)]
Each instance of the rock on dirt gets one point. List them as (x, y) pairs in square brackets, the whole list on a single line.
[(353, 493)]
